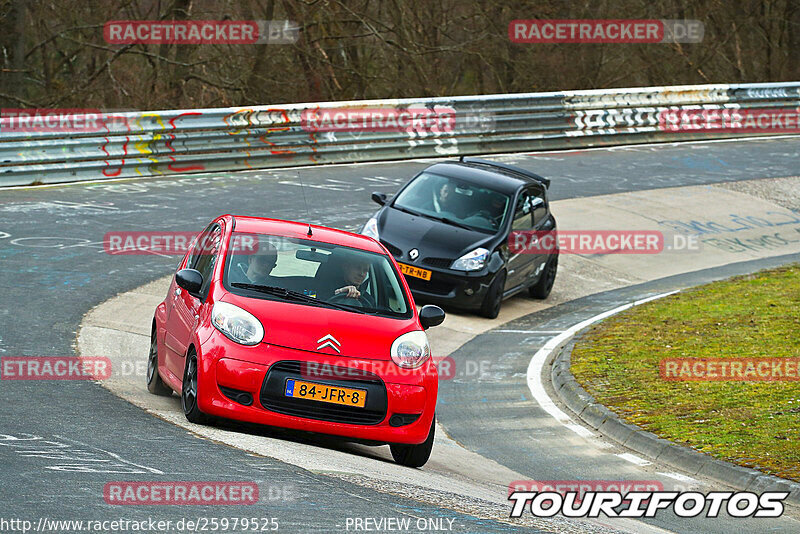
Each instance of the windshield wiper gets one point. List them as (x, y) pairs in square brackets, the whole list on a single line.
[(406, 210), (447, 220), (288, 294)]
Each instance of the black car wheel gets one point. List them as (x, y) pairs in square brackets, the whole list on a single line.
[(414, 455), (490, 308), (541, 289), (189, 391), (155, 384)]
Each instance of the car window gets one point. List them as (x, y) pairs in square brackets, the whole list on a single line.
[(461, 202), (204, 254), (194, 250), (180, 262), (539, 212), (317, 270), (523, 218)]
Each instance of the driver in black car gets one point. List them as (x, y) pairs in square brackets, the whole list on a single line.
[(497, 208)]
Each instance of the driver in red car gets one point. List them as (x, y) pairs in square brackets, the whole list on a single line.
[(354, 274)]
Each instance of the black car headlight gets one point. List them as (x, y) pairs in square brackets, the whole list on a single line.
[(471, 261), (371, 229)]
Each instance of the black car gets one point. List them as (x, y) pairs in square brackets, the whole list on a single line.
[(448, 228)]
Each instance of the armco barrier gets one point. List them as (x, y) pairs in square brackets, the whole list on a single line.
[(153, 143)]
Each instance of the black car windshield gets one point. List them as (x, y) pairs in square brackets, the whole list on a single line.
[(454, 201), (314, 274)]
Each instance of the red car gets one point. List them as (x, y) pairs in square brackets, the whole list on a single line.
[(298, 326)]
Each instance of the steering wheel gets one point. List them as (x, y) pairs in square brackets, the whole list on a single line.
[(342, 298), (496, 219), (486, 215)]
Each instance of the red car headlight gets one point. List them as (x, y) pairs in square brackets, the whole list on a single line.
[(237, 324), (411, 349)]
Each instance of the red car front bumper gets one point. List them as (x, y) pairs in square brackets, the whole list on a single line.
[(224, 365)]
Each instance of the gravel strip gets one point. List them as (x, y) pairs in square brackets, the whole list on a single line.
[(784, 192)]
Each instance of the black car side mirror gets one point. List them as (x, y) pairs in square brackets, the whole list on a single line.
[(190, 280), (380, 198), (431, 315)]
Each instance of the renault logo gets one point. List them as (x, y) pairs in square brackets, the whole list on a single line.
[(329, 341), (413, 254)]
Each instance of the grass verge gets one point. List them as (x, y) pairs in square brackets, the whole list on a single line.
[(751, 423)]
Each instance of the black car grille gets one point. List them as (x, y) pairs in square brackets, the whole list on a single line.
[(273, 398), (441, 263), (393, 250), (433, 286)]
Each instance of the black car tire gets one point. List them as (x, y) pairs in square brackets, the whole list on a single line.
[(542, 288), (414, 455), (155, 384), (189, 391), (490, 308)]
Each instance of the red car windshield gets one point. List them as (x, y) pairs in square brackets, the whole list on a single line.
[(355, 279)]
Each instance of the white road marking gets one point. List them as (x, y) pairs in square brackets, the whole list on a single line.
[(116, 456), (681, 478), (72, 459), (632, 458), (537, 363)]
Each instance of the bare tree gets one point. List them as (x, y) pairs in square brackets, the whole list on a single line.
[(54, 54)]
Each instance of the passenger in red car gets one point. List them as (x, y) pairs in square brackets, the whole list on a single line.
[(256, 268)]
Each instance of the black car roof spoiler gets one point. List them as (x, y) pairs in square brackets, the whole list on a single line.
[(517, 170)]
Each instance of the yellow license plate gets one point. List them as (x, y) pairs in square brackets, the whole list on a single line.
[(299, 389), (416, 272)]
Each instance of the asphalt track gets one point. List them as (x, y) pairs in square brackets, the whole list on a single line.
[(54, 270), (491, 412)]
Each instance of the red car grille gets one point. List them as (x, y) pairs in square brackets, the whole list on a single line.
[(272, 395)]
